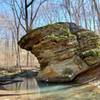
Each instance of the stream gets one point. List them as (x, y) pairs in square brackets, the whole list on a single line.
[(31, 89)]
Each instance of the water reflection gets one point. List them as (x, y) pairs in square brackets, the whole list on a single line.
[(30, 86), (31, 89), (26, 84)]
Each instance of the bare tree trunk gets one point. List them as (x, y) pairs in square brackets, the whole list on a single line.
[(84, 14), (68, 8), (97, 10), (26, 15), (93, 16)]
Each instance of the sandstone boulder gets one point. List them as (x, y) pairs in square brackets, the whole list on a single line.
[(64, 50)]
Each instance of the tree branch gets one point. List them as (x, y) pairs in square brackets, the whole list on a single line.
[(37, 12), (30, 3)]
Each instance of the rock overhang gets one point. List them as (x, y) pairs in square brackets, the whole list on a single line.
[(44, 31), (54, 44)]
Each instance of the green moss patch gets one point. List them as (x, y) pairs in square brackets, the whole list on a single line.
[(92, 52)]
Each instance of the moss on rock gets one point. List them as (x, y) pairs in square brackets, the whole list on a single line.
[(92, 52), (65, 48)]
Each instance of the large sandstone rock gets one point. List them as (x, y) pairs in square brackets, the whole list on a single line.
[(64, 50)]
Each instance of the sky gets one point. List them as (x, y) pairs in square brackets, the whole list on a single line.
[(50, 12), (4, 9), (42, 17)]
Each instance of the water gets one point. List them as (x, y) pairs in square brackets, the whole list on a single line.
[(31, 89), (31, 84)]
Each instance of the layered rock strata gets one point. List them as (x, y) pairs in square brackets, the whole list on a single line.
[(64, 50)]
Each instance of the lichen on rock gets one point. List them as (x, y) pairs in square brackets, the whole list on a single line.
[(64, 50)]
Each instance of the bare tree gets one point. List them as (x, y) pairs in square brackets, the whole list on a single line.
[(84, 14), (22, 13), (17, 31), (67, 5), (97, 11)]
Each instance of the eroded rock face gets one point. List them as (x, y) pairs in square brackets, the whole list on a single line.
[(63, 49)]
